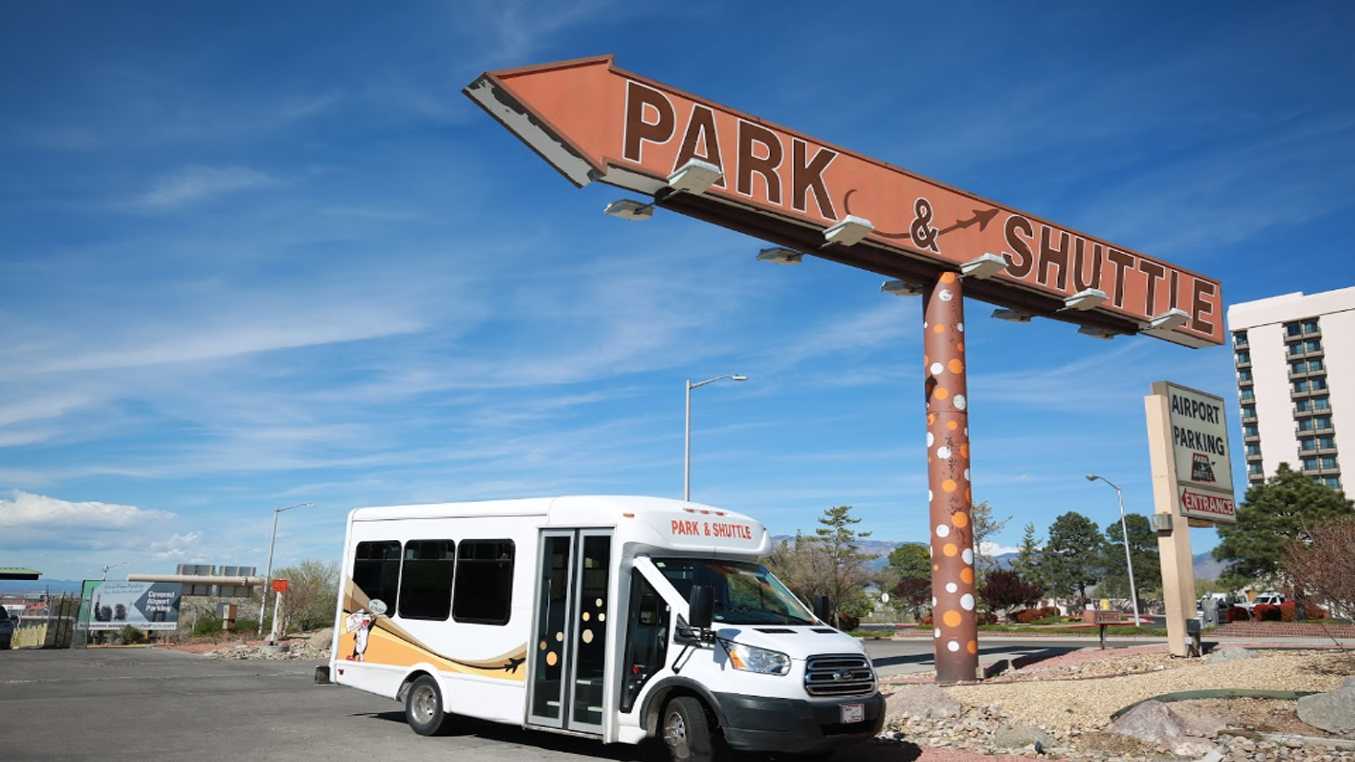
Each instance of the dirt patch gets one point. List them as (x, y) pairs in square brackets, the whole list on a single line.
[(1263, 715)]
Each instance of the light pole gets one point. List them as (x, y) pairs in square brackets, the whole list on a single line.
[(107, 567), (687, 430), (1124, 534), (268, 575)]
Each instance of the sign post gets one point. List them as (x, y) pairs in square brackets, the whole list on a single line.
[(1192, 480), (592, 121)]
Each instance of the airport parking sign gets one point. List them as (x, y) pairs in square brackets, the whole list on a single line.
[(1201, 454)]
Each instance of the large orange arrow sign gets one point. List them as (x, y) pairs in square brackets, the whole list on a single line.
[(592, 121)]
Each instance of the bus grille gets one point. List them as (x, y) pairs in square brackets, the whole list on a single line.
[(839, 675)]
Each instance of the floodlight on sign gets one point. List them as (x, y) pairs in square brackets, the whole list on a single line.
[(900, 288), (694, 177), (1096, 332), (1014, 316), (983, 266), (778, 255), (1086, 299), (1172, 318), (629, 209), (848, 231)]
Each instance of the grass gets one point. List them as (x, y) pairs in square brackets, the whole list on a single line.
[(1054, 629)]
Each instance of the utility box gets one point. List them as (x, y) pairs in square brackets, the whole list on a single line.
[(226, 611)]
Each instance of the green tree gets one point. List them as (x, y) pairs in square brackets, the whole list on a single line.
[(1286, 508), (1073, 557), (1027, 562), (1143, 551), (910, 567), (842, 564), (312, 595)]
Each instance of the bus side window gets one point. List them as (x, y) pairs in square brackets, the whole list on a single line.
[(646, 638), (376, 570), (483, 591)]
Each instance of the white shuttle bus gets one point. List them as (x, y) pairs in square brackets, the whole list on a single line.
[(615, 618)]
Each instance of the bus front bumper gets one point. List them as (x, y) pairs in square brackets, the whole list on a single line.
[(761, 723)]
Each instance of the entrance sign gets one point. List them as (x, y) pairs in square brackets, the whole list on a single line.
[(1200, 453), (593, 121), (143, 605)]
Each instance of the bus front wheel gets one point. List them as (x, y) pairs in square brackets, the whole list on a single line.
[(687, 732)]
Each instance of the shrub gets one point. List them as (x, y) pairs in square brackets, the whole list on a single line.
[(987, 617), (1266, 613), (1238, 614), (927, 620), (130, 635), (847, 622), (1316, 612), (207, 623), (1045, 615)]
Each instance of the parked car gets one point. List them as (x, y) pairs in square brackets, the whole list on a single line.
[(6, 629), (1264, 599)]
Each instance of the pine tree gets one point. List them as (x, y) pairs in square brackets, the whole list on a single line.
[(846, 574), (1027, 562)]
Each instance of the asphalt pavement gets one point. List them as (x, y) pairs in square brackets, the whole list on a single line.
[(140, 703)]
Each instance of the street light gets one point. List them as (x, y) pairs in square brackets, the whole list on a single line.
[(687, 430), (107, 567), (1124, 535), (268, 575)]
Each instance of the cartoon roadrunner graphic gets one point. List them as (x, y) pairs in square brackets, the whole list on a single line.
[(378, 639)]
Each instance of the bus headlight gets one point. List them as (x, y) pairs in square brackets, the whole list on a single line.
[(753, 659)]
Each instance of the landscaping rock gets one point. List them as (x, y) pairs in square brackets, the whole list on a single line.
[(1018, 735), (1151, 722), (321, 639), (926, 701), (1333, 712), (1229, 653), (1197, 724)]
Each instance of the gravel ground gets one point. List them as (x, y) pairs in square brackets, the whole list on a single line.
[(1087, 704)]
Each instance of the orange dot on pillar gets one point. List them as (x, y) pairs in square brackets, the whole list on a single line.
[(959, 347), (950, 549), (952, 425), (941, 392), (972, 647), (947, 277), (948, 485), (955, 366), (938, 328), (964, 450), (931, 418), (967, 575), (936, 567), (951, 618), (959, 519)]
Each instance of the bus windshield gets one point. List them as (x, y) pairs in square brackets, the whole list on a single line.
[(744, 593)]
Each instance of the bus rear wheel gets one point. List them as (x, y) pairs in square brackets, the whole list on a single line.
[(687, 732), (423, 706)]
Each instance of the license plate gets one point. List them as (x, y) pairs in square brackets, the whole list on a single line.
[(853, 713)]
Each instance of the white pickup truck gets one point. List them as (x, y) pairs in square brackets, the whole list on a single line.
[(1264, 599)]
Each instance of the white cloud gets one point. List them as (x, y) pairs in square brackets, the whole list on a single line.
[(28, 510), (992, 549), (198, 183), (177, 546)]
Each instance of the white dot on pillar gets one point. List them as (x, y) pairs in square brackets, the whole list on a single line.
[(943, 452), (936, 633), (966, 474), (968, 556), (942, 530), (959, 401), (959, 327), (953, 646), (930, 439), (951, 587), (929, 495), (967, 602), (937, 368), (934, 605), (946, 295)]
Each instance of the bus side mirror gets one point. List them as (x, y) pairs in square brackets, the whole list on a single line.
[(701, 607), (823, 608)]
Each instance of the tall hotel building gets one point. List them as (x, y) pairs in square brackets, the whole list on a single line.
[(1295, 358)]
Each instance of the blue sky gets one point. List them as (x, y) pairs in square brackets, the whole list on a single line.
[(252, 256)]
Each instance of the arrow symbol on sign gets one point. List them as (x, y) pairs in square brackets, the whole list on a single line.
[(981, 216)]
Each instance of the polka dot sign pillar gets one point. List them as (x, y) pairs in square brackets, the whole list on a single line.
[(955, 624)]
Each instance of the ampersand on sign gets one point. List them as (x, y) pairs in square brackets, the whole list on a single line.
[(922, 233)]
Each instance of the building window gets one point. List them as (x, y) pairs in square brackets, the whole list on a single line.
[(376, 570), (426, 589), (1253, 449), (1309, 464), (1322, 422), (1248, 411), (1315, 364), (1307, 444), (1303, 406), (1314, 345), (1253, 469), (1327, 442), (1293, 329), (1321, 403), (1310, 326), (1247, 395), (1319, 383), (484, 582), (1243, 358), (1331, 481), (1244, 374), (1301, 385), (1250, 430)]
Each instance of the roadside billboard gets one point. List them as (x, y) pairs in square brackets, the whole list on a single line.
[(143, 605), (1200, 452)]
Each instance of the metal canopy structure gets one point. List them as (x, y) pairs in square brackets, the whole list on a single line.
[(16, 572), (594, 122)]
